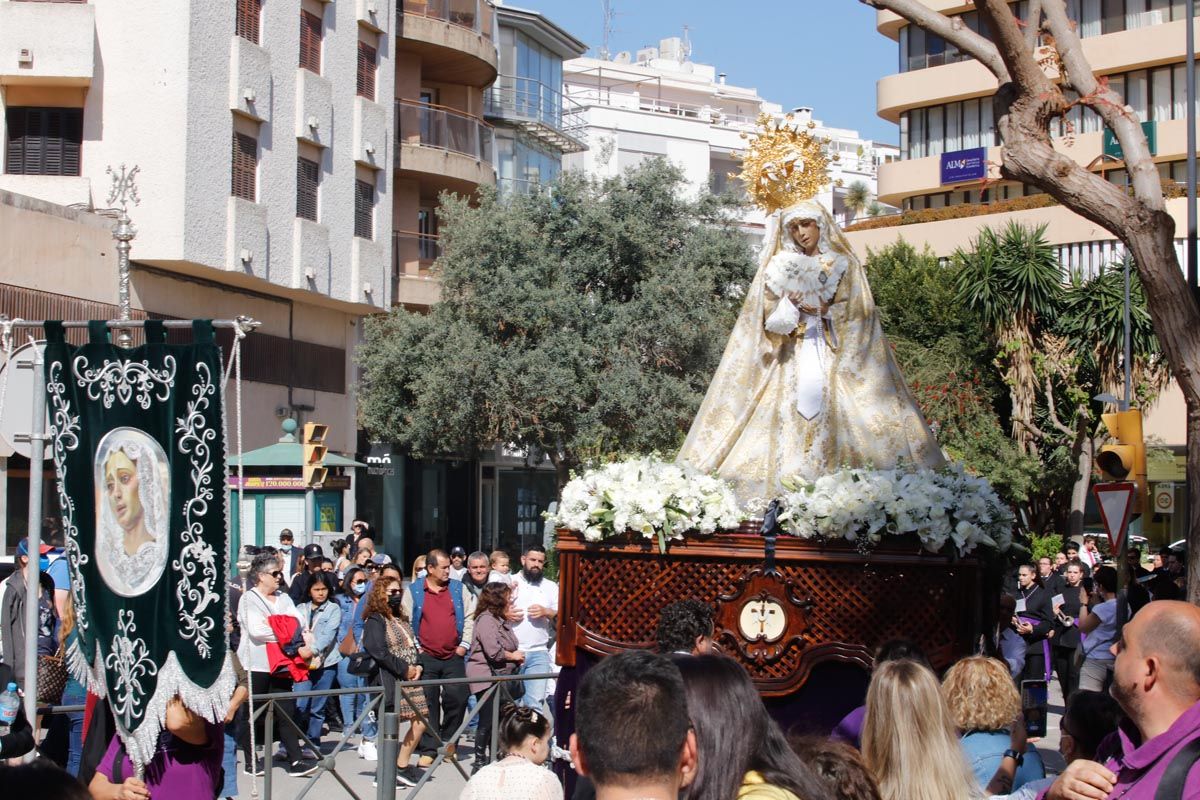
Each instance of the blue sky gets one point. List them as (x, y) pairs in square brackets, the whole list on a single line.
[(820, 53)]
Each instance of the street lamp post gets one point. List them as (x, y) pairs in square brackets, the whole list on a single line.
[(1191, 146)]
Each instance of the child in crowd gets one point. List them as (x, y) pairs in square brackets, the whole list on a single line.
[(501, 572)]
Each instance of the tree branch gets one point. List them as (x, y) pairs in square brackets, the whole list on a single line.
[(1077, 73), (1052, 409), (953, 31), (1033, 24)]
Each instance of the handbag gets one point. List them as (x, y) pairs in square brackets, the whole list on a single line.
[(362, 663), (51, 677)]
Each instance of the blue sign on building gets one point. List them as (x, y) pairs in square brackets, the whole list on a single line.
[(962, 166)]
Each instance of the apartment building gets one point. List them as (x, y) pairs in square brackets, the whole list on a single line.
[(942, 102), (658, 102), (445, 58)]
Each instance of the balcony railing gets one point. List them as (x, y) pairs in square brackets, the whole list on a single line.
[(474, 15), (413, 254), (713, 115), (542, 111), (444, 129)]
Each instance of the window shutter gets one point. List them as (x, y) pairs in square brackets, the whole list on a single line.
[(245, 163), (43, 141), (249, 12), (307, 180), (310, 42), (366, 70), (364, 207)]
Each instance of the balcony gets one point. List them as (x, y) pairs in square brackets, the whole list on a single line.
[(453, 37), (47, 44), (412, 256), (442, 141), (631, 101), (539, 111)]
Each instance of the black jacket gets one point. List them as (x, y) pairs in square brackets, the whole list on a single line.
[(1068, 636), (1037, 609), (392, 668)]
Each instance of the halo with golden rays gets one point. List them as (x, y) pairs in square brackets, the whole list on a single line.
[(784, 165)]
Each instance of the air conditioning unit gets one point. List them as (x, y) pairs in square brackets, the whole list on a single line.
[(25, 57), (647, 54)]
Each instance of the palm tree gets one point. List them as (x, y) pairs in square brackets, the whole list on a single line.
[(1013, 280), (858, 198)]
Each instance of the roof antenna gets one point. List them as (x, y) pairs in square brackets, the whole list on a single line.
[(609, 14), (687, 45)]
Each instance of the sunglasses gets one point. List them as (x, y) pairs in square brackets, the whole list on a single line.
[(277, 575), (357, 583)]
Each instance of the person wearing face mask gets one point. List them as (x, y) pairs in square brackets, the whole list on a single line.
[(322, 616), (289, 554), (389, 639), (353, 590)]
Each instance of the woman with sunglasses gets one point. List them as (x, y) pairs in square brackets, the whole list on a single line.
[(262, 601), (389, 639), (354, 591)]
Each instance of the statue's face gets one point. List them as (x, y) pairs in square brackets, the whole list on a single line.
[(121, 486), (806, 233)]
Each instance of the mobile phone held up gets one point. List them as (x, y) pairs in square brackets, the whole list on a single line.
[(1035, 700)]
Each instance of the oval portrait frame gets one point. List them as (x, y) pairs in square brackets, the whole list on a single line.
[(124, 574)]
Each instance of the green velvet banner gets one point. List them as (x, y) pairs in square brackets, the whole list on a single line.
[(138, 438)]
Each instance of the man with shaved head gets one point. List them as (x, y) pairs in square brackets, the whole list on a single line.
[(1156, 679)]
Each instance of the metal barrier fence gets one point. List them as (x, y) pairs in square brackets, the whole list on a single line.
[(387, 741)]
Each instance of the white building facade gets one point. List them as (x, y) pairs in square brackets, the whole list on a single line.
[(659, 103)]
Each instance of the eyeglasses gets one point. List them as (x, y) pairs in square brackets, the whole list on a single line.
[(277, 575)]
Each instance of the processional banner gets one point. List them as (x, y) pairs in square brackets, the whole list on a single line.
[(138, 439)]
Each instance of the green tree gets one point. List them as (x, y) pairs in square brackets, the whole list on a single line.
[(1012, 280), (942, 349), (579, 322), (858, 199)]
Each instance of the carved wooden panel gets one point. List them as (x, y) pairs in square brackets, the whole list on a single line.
[(840, 604)]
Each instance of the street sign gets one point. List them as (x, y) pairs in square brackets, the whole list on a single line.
[(1164, 498), (1115, 501), (1113, 148)]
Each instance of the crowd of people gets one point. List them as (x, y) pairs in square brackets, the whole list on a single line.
[(682, 722)]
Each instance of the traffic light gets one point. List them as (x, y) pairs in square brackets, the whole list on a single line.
[(314, 453), (1125, 460)]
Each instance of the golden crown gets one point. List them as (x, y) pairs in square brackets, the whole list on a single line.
[(784, 165)]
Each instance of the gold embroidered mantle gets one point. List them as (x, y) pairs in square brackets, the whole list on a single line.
[(748, 430)]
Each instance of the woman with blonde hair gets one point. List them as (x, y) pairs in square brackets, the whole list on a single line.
[(986, 708), (909, 741)]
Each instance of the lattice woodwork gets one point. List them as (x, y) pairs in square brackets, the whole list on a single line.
[(612, 595)]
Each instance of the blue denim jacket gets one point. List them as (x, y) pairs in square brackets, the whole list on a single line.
[(985, 749), (325, 625)]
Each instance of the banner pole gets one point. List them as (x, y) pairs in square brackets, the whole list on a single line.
[(37, 452)]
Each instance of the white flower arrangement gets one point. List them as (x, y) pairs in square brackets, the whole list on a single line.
[(942, 507), (667, 501), (658, 499)]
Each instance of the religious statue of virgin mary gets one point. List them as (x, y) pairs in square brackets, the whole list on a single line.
[(807, 384)]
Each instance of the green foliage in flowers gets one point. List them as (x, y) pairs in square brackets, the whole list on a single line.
[(578, 322), (1045, 546)]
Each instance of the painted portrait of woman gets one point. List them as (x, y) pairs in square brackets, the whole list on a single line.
[(133, 503)]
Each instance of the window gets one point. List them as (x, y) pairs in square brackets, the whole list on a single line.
[(43, 141), (308, 177), (245, 167), (246, 24), (310, 42), (364, 209), (366, 70)]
